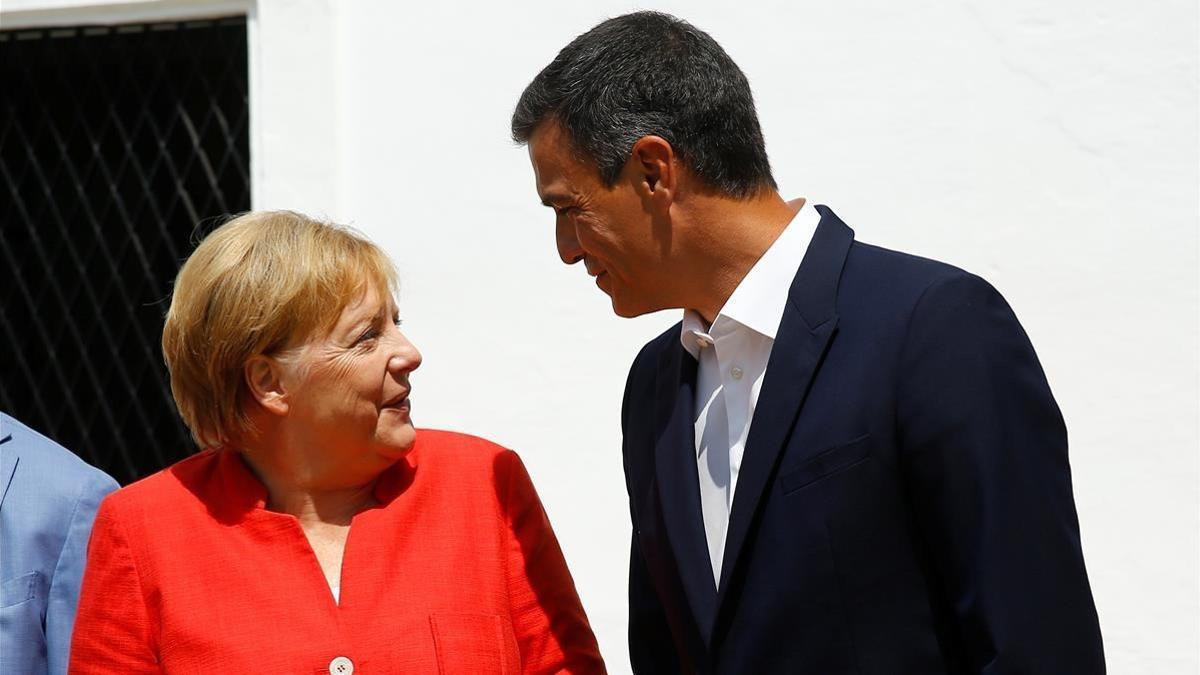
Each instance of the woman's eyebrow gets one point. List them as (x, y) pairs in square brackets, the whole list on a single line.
[(364, 321)]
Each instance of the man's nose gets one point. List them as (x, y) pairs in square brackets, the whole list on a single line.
[(568, 244)]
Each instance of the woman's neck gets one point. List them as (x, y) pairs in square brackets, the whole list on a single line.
[(331, 507), (306, 498)]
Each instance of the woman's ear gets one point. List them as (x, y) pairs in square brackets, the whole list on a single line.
[(654, 171), (265, 382)]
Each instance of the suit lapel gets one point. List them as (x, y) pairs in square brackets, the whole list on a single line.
[(808, 326), (8, 460), (679, 483)]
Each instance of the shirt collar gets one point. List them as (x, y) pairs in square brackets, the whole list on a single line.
[(761, 296)]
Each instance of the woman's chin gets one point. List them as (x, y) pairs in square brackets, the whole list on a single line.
[(398, 442)]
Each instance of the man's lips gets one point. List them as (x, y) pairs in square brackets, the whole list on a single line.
[(597, 273)]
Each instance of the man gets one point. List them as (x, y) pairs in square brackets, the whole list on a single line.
[(48, 499), (844, 459)]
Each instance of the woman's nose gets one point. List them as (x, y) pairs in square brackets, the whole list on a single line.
[(406, 357)]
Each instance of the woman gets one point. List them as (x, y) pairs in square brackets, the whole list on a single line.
[(318, 531)]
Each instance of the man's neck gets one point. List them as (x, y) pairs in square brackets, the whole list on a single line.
[(726, 239)]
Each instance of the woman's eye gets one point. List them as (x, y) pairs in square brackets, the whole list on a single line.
[(397, 321), (367, 336)]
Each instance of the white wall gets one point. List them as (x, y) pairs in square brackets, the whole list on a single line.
[(1050, 147)]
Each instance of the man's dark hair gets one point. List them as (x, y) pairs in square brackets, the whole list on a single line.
[(649, 73)]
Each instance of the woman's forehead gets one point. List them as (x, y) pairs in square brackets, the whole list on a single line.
[(368, 303)]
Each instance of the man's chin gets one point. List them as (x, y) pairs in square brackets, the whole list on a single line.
[(625, 313), (625, 309)]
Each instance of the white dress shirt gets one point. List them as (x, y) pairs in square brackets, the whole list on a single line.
[(733, 355)]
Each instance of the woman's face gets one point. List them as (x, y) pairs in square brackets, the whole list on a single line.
[(348, 391)]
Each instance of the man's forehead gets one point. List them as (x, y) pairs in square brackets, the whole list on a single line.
[(550, 171), (548, 148), (548, 135), (558, 173)]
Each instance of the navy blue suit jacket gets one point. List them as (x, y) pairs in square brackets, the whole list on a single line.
[(904, 502)]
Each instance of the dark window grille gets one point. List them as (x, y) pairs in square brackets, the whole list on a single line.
[(116, 144)]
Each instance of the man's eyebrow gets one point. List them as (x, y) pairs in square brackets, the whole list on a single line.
[(553, 198)]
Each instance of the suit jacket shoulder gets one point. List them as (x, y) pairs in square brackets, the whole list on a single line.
[(899, 274), (49, 499), (60, 474), (41, 494), (895, 277)]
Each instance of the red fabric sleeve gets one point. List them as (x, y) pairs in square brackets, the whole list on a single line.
[(113, 631), (551, 628)]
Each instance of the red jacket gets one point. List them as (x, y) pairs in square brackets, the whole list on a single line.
[(457, 571)]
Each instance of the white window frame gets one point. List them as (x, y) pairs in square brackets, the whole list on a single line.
[(294, 102)]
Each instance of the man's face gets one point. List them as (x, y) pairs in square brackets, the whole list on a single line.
[(609, 229)]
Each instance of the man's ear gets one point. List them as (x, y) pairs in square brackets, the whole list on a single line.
[(653, 170), (264, 380)]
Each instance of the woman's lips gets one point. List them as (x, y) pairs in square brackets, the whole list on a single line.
[(402, 408), (401, 405)]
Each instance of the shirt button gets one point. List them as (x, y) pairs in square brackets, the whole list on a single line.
[(341, 666), (736, 373)]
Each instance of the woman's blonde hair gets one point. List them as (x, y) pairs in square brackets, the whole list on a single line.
[(260, 283)]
